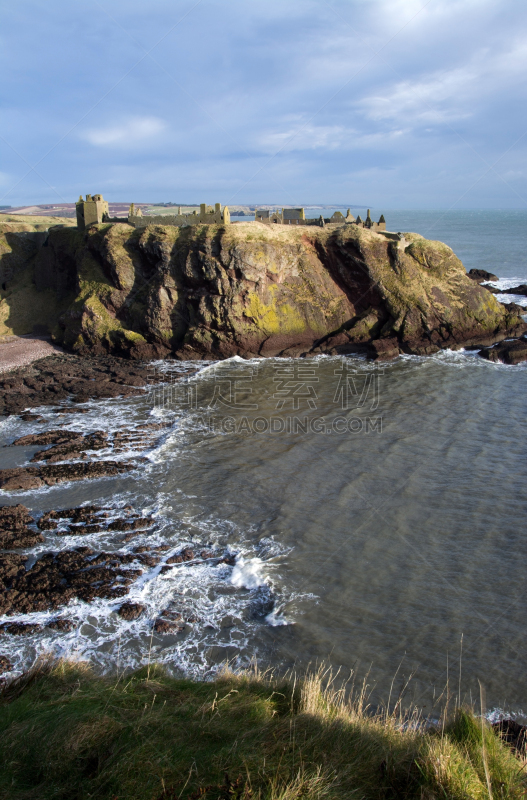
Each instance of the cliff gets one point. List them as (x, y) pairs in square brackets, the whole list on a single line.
[(23, 308), (215, 291)]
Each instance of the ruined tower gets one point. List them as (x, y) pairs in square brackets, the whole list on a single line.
[(93, 210)]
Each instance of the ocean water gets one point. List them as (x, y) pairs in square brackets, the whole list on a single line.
[(376, 511)]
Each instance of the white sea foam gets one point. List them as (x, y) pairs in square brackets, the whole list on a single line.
[(509, 283), (248, 574)]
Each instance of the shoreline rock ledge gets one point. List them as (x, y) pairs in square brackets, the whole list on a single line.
[(258, 290)]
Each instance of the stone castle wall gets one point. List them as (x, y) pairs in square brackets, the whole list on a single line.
[(206, 216), (94, 210)]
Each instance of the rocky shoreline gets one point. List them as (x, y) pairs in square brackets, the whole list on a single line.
[(53, 579), (76, 379)]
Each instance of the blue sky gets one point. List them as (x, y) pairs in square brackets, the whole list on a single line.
[(390, 103)]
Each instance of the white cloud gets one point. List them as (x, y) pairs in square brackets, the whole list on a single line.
[(310, 137), (131, 131), (443, 96), (324, 137)]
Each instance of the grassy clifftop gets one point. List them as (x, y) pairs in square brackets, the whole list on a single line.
[(66, 733)]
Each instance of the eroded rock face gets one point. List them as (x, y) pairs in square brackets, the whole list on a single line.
[(214, 292)]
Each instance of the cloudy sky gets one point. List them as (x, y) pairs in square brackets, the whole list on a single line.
[(389, 103)]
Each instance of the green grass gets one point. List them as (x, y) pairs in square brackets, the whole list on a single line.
[(67, 733)]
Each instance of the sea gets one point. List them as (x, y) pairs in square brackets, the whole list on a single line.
[(374, 512)]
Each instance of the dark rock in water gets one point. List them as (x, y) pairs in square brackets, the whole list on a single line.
[(513, 352), (14, 532), (20, 628), (186, 555), (480, 275), (46, 437), (84, 514), (164, 626), (521, 289), (5, 664), (84, 520), (56, 578), (514, 308), (170, 613), (149, 560), (492, 289), (384, 349), (26, 478), (66, 445), (131, 611), (32, 418), (75, 448), (130, 524), (511, 732), (62, 625), (70, 445)]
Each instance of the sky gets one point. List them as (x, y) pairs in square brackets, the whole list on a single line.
[(393, 104)]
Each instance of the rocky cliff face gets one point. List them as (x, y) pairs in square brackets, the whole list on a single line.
[(213, 291)]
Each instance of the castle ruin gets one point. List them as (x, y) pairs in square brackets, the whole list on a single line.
[(94, 211), (296, 216), (206, 216)]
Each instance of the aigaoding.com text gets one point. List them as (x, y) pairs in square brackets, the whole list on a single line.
[(274, 425)]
